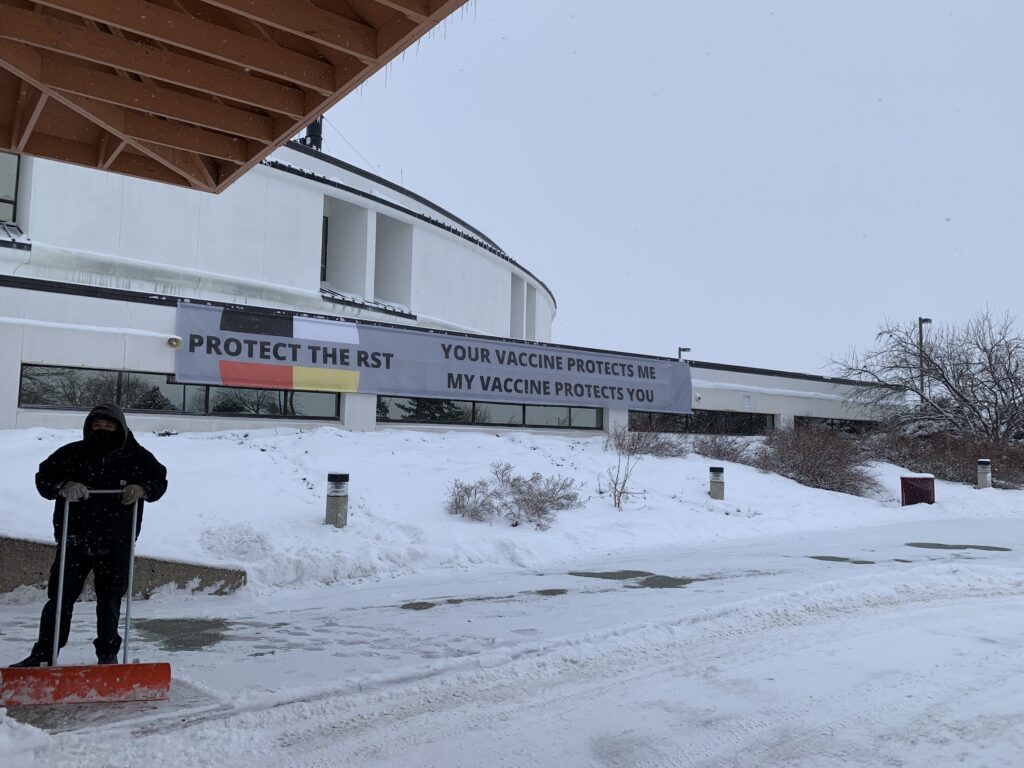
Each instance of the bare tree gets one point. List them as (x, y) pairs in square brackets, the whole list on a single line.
[(972, 375), (629, 448)]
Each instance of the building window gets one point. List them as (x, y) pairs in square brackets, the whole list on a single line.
[(44, 386), (423, 410), (9, 168), (850, 426), (702, 422)]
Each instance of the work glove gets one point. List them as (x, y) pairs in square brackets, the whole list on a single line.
[(73, 491), (132, 493)]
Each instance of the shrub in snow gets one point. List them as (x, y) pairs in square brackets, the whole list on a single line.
[(474, 501), (630, 447), (645, 443), (724, 448), (951, 457), (817, 457), (516, 498)]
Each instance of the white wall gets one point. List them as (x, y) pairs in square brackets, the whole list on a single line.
[(349, 251), (467, 287), (517, 307), (392, 280), (265, 227), (784, 397)]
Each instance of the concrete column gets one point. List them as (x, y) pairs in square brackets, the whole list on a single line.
[(984, 473), (614, 418), (784, 421), (359, 412), (11, 335)]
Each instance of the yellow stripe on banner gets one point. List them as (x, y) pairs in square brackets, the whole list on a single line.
[(325, 380)]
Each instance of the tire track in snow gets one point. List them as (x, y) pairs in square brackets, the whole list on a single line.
[(554, 705)]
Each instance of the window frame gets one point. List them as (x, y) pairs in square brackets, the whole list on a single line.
[(17, 185)]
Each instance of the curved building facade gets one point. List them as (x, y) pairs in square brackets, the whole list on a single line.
[(92, 266)]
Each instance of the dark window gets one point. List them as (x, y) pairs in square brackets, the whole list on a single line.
[(850, 426), (586, 418), (44, 386), (423, 410), (66, 387), (151, 392), (323, 250), (702, 422), (507, 414), (9, 167), (547, 416)]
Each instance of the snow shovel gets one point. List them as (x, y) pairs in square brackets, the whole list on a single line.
[(93, 682)]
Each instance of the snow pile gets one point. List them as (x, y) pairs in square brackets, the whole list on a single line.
[(256, 500)]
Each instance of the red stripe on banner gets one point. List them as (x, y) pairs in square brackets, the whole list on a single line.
[(255, 375)]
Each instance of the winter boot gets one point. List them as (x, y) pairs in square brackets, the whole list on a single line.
[(33, 660)]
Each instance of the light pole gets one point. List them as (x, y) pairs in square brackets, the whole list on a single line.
[(921, 321), (681, 350)]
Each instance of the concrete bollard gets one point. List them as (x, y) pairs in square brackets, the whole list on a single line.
[(337, 500), (984, 473), (716, 488)]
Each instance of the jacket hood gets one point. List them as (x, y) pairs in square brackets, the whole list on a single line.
[(107, 411)]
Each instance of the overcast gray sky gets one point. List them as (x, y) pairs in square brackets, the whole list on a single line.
[(761, 181)]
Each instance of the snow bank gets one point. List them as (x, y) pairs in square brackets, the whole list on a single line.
[(255, 499)]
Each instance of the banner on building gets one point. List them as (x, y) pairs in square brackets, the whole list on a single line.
[(238, 348)]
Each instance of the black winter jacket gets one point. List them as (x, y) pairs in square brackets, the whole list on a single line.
[(101, 521)]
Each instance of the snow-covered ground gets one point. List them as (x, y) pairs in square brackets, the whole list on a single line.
[(784, 626)]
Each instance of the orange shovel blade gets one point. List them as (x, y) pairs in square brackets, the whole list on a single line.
[(81, 685)]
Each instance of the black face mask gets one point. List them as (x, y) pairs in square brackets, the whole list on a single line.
[(103, 440)]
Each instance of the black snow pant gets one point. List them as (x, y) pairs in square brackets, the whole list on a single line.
[(110, 577)]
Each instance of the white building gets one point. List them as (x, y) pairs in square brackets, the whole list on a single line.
[(93, 265)]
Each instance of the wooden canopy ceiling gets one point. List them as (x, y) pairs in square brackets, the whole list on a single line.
[(189, 92)]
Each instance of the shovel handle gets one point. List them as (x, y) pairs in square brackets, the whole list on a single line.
[(60, 578), (60, 586)]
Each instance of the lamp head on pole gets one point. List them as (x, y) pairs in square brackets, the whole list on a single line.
[(681, 350), (923, 320)]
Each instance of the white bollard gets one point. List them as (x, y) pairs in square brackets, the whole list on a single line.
[(716, 488), (984, 473), (337, 500)]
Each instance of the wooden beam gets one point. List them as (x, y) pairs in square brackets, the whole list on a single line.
[(302, 18), (80, 153), (169, 133), (196, 167), (102, 48), (417, 10), (32, 66), (180, 30), (30, 105), (57, 75), (140, 166), (397, 34), (109, 148), (136, 130), (64, 150)]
